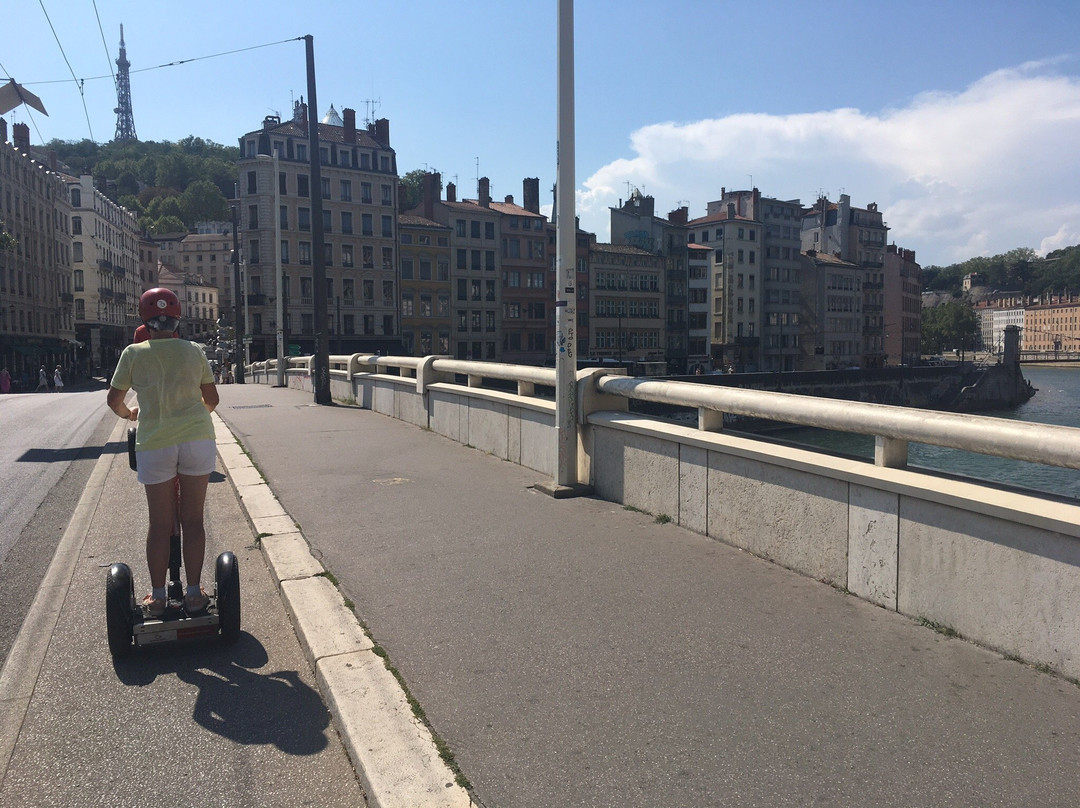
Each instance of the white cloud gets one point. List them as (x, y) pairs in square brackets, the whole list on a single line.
[(957, 174)]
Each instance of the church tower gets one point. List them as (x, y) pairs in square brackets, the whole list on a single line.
[(125, 121)]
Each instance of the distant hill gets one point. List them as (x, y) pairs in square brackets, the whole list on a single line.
[(1019, 270), (171, 186)]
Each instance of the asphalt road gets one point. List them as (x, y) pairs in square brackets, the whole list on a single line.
[(50, 445), (188, 724), (573, 653)]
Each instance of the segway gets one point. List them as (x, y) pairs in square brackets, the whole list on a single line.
[(129, 627)]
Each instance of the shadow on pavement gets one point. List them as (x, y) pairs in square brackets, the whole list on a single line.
[(234, 700)]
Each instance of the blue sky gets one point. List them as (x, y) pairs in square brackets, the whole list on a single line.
[(960, 119)]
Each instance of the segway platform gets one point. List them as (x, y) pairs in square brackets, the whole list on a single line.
[(128, 627)]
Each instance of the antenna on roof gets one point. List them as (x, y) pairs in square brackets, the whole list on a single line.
[(372, 107)]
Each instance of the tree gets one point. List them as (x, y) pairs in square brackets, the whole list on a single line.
[(950, 325), (166, 224), (411, 192), (203, 201), (7, 241)]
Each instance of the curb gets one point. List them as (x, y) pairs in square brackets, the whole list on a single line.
[(393, 752)]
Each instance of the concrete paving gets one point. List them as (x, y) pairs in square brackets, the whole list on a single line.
[(568, 652), (573, 653)]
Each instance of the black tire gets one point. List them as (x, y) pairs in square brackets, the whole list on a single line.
[(131, 448), (119, 611), (228, 596)]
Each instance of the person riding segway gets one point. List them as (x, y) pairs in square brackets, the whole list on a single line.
[(174, 451)]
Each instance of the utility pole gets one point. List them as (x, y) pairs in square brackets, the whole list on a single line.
[(321, 379)]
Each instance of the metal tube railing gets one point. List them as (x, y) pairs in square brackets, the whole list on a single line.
[(1000, 437)]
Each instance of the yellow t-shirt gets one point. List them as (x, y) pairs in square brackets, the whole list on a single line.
[(167, 374)]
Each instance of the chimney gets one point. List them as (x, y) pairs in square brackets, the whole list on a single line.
[(380, 131), (483, 191), (432, 183), (731, 210), (679, 215), (52, 160), (530, 194), (451, 192), (509, 199), (20, 135), (350, 125), (3, 130)]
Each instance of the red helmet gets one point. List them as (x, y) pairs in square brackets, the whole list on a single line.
[(159, 309)]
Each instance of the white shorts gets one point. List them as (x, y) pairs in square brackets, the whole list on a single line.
[(192, 459)]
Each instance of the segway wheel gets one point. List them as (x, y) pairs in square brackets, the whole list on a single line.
[(228, 596), (131, 434), (119, 609)]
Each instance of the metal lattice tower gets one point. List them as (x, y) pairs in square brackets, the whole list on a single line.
[(125, 121)]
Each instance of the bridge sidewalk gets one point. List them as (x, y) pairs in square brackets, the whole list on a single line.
[(570, 652)]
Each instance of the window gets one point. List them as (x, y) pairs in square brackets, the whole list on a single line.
[(387, 196), (367, 227), (346, 190), (253, 251), (462, 259), (474, 229), (365, 193), (388, 226), (252, 185), (253, 217), (425, 305), (283, 217), (301, 152), (282, 183), (388, 293), (305, 252), (489, 230), (76, 225), (326, 221), (406, 304), (76, 198), (462, 289), (367, 256), (369, 291), (325, 183), (406, 269), (346, 222), (346, 255), (460, 223), (76, 251), (284, 251), (78, 280), (425, 269)]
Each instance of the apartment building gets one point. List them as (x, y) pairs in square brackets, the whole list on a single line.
[(736, 288), (1053, 326), (635, 224), (699, 263), (425, 285), (858, 236), (830, 312), (105, 272), (626, 305), (901, 296), (37, 317), (358, 197), (208, 255), (779, 259), (199, 302), (527, 279)]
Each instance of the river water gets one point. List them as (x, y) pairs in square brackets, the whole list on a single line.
[(1057, 402)]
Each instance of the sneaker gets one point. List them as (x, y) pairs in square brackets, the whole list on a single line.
[(196, 604), (153, 607)]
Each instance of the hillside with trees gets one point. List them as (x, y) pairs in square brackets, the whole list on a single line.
[(170, 186), (1019, 270)]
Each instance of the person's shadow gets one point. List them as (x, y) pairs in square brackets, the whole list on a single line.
[(234, 700)]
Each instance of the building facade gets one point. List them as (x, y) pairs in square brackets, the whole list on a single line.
[(1054, 326), (902, 301), (735, 276), (626, 305), (37, 314), (359, 221), (105, 270), (635, 224), (425, 286), (830, 313)]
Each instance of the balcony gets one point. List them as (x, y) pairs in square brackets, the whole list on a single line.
[(256, 300), (104, 264), (103, 292)]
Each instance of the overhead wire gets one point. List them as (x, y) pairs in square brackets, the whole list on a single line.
[(176, 63), (108, 56), (78, 83)]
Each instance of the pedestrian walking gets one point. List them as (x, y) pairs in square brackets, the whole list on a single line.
[(43, 381), (5, 381), (58, 381)]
